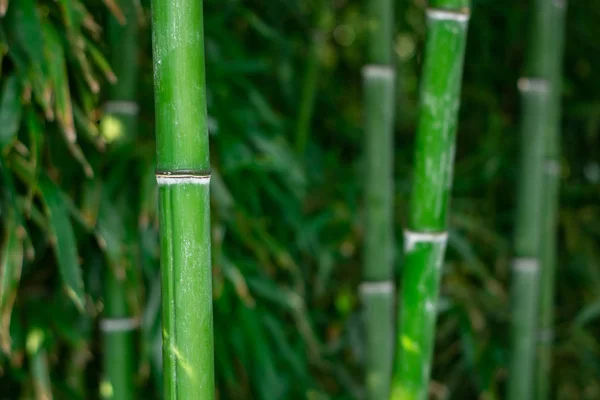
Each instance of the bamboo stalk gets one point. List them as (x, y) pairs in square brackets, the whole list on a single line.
[(118, 325), (183, 178), (377, 290), (38, 358), (426, 237), (534, 211), (557, 9)]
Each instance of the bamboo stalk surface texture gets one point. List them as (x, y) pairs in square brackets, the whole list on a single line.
[(556, 22), (426, 236), (183, 177), (377, 290), (536, 201), (118, 326)]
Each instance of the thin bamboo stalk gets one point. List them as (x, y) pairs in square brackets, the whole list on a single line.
[(183, 176), (377, 290), (118, 325), (538, 141), (38, 358), (426, 237), (550, 198)]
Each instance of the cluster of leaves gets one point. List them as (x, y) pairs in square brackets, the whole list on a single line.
[(285, 113)]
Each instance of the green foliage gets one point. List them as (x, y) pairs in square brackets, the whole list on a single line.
[(286, 230)]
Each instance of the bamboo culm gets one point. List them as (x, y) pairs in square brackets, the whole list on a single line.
[(536, 198), (377, 289), (557, 11), (118, 326), (426, 236), (183, 176)]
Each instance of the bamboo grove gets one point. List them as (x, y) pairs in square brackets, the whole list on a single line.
[(306, 200)]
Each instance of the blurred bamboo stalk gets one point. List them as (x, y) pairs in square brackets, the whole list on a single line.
[(553, 70), (536, 203), (426, 237), (40, 371), (120, 123), (183, 176), (377, 290)]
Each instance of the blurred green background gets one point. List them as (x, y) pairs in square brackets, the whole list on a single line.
[(286, 197)]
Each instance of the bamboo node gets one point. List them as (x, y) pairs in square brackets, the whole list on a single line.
[(531, 265), (384, 287), (187, 177), (538, 85), (378, 71), (118, 325), (411, 239), (122, 107), (448, 15)]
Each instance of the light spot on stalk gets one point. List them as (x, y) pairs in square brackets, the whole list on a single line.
[(106, 389), (183, 363), (410, 345), (34, 340), (429, 306)]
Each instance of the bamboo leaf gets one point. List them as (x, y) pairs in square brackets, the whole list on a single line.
[(10, 275), (63, 240), (62, 97), (25, 27), (10, 111), (588, 314), (100, 61)]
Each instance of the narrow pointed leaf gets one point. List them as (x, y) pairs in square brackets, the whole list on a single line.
[(63, 237)]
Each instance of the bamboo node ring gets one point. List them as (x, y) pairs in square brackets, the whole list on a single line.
[(537, 85), (384, 287), (378, 71), (448, 15), (189, 177), (526, 264), (116, 325), (123, 107)]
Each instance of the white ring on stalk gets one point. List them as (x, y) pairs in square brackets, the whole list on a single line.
[(123, 107), (166, 180), (445, 15), (526, 264), (538, 85), (411, 239), (113, 325), (378, 71), (384, 287)]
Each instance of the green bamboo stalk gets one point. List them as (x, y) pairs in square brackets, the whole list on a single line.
[(557, 11), (538, 141), (38, 358), (120, 123), (426, 237), (183, 175), (377, 290)]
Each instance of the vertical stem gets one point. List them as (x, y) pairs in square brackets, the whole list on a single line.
[(550, 206), (38, 358), (118, 325), (377, 290), (426, 236), (183, 178), (536, 201), (117, 328)]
